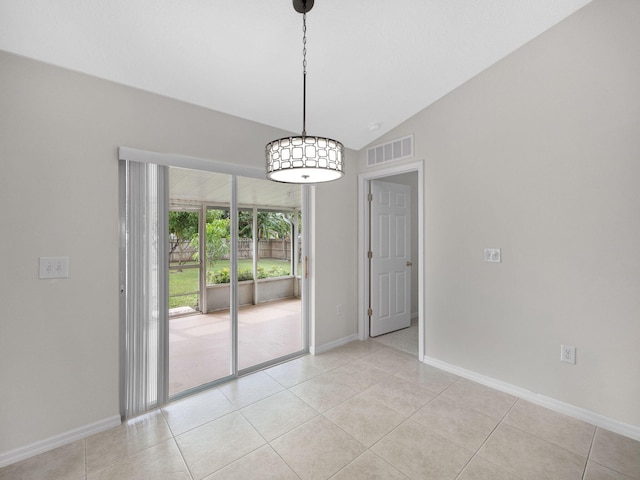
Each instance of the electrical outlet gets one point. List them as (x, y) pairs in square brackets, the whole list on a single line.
[(339, 309), (568, 354)]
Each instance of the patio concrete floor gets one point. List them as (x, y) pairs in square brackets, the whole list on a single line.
[(200, 345)]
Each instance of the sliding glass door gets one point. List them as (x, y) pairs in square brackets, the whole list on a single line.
[(201, 341), (223, 252), (270, 314)]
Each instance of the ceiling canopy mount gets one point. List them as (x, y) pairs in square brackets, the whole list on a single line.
[(302, 6)]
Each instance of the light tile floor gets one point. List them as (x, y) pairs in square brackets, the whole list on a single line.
[(361, 411)]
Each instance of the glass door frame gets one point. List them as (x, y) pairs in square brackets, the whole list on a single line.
[(304, 313), (302, 291)]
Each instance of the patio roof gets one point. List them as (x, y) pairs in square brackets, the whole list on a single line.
[(195, 186)]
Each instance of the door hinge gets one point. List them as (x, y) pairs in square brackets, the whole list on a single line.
[(370, 197), (369, 254), (370, 312)]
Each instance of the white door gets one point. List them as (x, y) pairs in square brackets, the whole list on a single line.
[(390, 293)]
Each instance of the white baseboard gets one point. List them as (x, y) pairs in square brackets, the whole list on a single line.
[(22, 453), (331, 345), (588, 416)]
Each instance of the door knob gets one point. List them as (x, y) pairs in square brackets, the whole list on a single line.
[(409, 264)]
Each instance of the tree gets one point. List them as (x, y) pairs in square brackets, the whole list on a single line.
[(182, 227), (270, 224), (218, 234)]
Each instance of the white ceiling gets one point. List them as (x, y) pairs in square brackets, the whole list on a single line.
[(369, 61)]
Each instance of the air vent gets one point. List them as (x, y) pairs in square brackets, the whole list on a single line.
[(391, 151)]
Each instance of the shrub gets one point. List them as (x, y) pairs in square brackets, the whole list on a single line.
[(224, 275), (272, 272), (221, 276), (245, 274)]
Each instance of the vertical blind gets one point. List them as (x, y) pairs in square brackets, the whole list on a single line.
[(145, 285)]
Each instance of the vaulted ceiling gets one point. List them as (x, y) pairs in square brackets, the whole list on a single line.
[(371, 64)]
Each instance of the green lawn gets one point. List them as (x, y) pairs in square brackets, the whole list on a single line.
[(182, 283)]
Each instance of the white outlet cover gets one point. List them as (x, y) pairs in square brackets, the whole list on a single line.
[(568, 354), (492, 255)]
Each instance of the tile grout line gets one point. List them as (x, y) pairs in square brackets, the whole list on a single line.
[(319, 414), (283, 460), (475, 454), (593, 439), (287, 389), (267, 442), (409, 417), (549, 441), (175, 441), (339, 403), (322, 414), (478, 449), (598, 463), (184, 460)]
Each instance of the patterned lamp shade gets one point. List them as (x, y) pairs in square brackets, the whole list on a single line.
[(304, 159)]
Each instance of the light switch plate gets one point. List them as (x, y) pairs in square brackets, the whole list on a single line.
[(492, 255), (54, 267)]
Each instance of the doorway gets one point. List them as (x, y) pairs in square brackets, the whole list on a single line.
[(407, 174)]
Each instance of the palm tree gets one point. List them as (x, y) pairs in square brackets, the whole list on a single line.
[(270, 225)]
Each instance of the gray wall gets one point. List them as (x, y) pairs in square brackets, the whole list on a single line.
[(59, 134), (539, 156)]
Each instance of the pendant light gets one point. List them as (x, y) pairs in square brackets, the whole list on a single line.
[(304, 158)]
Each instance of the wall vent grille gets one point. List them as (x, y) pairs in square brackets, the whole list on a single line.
[(391, 151)]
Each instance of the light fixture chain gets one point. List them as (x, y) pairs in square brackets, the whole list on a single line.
[(304, 43), (304, 74)]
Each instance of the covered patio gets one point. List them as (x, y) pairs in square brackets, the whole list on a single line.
[(200, 344)]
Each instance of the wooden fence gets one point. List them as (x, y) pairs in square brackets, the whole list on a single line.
[(279, 248)]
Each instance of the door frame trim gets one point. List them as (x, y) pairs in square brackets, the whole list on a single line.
[(363, 265)]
